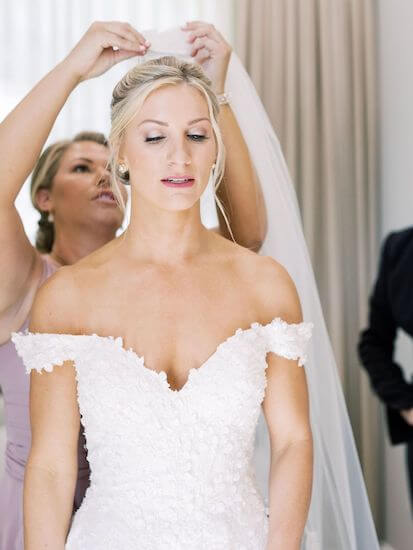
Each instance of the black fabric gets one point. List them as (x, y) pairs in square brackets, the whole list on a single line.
[(391, 308)]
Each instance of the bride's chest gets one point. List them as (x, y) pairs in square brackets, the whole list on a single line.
[(115, 388), (176, 329)]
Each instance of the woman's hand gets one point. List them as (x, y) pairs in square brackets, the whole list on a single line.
[(211, 51), (103, 45), (407, 414)]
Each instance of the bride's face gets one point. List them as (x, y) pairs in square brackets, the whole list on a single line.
[(169, 148)]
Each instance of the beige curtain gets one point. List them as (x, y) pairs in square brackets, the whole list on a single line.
[(313, 63)]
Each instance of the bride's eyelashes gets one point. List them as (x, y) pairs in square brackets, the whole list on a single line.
[(192, 137), (81, 168), (198, 137), (155, 139)]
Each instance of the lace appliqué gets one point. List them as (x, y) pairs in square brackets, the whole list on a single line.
[(170, 470), (44, 351), (288, 340)]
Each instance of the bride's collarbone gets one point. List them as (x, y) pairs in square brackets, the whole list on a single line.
[(180, 323), (173, 342), (167, 295)]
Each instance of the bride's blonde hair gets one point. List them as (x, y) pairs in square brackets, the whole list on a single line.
[(130, 93)]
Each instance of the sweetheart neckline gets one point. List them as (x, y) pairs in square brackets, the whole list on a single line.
[(161, 374)]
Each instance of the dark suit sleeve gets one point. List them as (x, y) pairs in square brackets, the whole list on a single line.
[(376, 350)]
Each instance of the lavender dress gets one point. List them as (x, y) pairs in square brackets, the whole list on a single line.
[(15, 384)]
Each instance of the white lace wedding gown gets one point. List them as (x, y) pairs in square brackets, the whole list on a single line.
[(170, 470)]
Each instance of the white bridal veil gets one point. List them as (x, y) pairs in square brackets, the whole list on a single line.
[(339, 517)]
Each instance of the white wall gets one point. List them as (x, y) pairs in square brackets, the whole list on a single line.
[(396, 161)]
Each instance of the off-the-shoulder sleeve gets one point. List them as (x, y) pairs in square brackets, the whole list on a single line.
[(43, 351), (288, 340)]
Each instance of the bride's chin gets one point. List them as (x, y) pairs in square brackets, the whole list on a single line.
[(181, 204)]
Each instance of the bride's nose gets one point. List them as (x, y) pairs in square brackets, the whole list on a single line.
[(178, 154)]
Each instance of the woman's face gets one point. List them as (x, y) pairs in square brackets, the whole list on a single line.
[(169, 148), (80, 194)]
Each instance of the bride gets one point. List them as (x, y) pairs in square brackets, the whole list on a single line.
[(189, 404), (166, 342)]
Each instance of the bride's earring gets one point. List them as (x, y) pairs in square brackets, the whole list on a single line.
[(123, 173)]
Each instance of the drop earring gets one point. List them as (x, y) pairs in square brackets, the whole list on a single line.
[(123, 173)]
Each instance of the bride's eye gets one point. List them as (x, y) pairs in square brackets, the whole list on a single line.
[(197, 137), (81, 168), (154, 139)]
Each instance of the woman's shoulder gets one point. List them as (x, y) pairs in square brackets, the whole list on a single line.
[(74, 279)]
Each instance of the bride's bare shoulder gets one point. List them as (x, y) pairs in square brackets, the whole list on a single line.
[(248, 261), (273, 288), (57, 304), (228, 249)]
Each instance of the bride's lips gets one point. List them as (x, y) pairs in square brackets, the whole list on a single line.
[(106, 197), (178, 181)]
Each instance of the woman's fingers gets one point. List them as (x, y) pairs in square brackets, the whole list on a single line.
[(210, 50), (120, 36), (198, 29), (115, 41), (126, 31), (122, 55), (138, 35), (194, 25), (104, 44), (204, 42), (202, 32), (202, 55)]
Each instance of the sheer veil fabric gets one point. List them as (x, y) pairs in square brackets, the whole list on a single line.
[(340, 517)]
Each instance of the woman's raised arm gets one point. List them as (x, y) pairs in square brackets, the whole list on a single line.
[(22, 136), (240, 191)]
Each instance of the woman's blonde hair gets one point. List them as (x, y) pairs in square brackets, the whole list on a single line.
[(129, 95), (43, 176)]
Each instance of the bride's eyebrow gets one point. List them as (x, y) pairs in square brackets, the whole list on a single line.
[(154, 121), (166, 124), (84, 159), (198, 120)]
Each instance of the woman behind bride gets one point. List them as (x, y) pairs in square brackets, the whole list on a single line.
[(166, 342)]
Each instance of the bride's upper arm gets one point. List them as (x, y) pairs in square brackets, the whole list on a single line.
[(286, 403), (54, 412), (54, 418)]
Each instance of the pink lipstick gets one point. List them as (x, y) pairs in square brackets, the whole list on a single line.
[(178, 181)]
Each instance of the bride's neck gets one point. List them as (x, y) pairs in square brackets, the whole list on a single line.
[(165, 236)]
